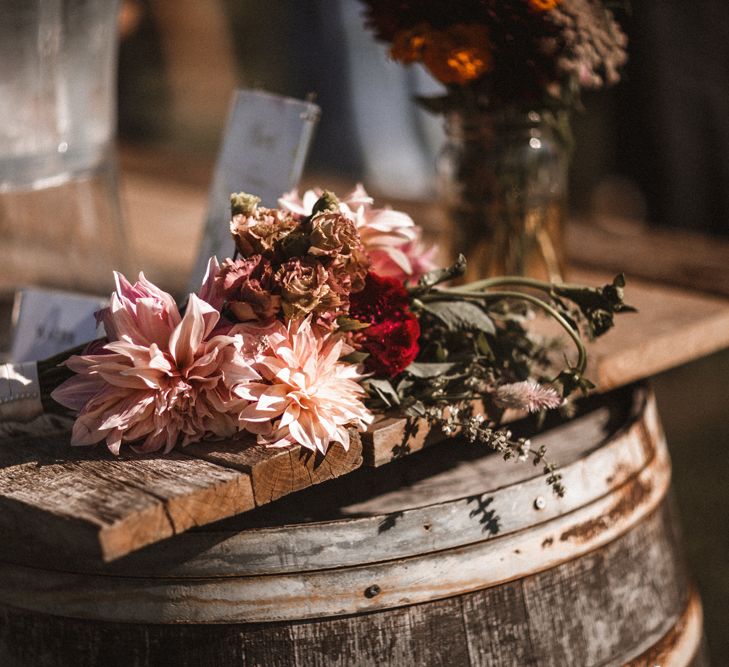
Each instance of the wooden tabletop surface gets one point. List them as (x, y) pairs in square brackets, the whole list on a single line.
[(86, 500)]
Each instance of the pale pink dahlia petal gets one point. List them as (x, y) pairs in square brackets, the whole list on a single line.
[(422, 258), (164, 381), (209, 290), (74, 395), (199, 320), (151, 320), (122, 316), (154, 442), (121, 319), (149, 289), (309, 396), (85, 431), (290, 201), (358, 197)]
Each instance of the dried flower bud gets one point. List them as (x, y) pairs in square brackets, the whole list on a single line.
[(307, 287), (243, 203), (258, 232), (246, 285), (328, 202)]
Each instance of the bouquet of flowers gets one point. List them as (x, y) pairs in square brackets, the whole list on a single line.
[(329, 312), (501, 52)]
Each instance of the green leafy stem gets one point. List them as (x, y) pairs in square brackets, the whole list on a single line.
[(477, 291)]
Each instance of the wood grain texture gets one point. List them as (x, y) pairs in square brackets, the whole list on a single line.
[(681, 645), (455, 499), (97, 505), (363, 567), (278, 472), (129, 596), (597, 590), (85, 500), (392, 437)]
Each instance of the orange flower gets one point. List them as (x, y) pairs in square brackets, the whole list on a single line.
[(459, 54), (408, 45), (543, 5)]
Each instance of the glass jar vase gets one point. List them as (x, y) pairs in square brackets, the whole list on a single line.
[(60, 216), (503, 183)]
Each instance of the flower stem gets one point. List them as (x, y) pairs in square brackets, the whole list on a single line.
[(443, 295), (521, 281)]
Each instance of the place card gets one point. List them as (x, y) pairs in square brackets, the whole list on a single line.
[(47, 322), (265, 144)]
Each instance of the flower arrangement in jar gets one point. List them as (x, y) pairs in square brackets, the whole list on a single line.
[(512, 71)]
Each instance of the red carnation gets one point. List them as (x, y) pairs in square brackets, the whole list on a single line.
[(392, 345), (380, 299), (392, 337)]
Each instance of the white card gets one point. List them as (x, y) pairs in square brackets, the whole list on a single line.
[(265, 144), (47, 322)]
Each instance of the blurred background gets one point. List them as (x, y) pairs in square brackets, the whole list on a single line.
[(651, 154), (659, 138)]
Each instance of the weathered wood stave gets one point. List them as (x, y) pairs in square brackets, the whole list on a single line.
[(434, 576)]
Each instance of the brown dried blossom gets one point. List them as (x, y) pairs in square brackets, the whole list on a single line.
[(308, 288), (335, 237), (246, 285), (514, 51), (259, 231), (594, 46)]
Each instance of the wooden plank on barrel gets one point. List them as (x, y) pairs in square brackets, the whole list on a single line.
[(86, 499), (276, 472), (393, 437)]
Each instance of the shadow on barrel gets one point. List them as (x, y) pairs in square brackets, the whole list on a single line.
[(485, 515)]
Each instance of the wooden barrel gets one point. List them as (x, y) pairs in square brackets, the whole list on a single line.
[(447, 557)]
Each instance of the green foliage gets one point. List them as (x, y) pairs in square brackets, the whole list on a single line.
[(476, 338), (461, 316), (598, 305)]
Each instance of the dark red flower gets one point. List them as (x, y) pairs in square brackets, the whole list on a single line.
[(380, 299), (392, 345), (391, 340)]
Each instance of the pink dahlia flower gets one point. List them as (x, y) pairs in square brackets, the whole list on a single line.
[(162, 379), (391, 238), (306, 396)]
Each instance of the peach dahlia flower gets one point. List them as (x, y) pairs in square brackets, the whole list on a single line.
[(162, 379), (306, 395)]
